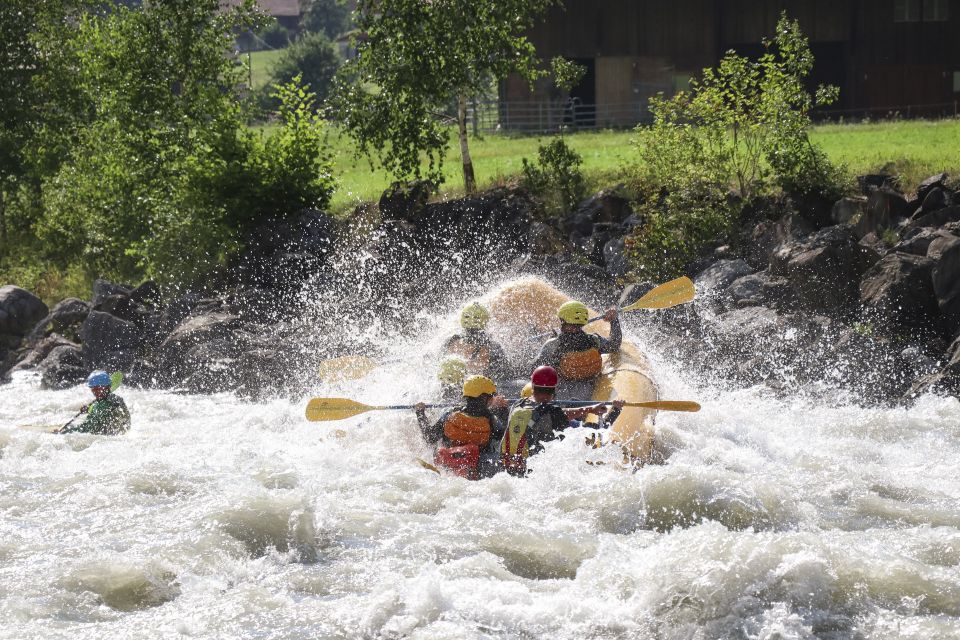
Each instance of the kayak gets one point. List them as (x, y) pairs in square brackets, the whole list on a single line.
[(529, 307)]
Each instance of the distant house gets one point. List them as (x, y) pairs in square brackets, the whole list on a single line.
[(286, 12), (883, 54)]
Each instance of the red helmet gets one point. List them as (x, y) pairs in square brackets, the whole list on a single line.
[(544, 377)]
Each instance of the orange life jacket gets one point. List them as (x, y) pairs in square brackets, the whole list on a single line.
[(476, 357), (580, 365), (461, 428)]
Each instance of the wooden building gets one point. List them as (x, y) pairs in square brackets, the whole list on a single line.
[(885, 55)]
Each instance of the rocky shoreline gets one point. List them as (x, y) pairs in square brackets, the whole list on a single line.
[(862, 294)]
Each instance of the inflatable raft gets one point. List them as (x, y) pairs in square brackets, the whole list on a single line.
[(529, 307)]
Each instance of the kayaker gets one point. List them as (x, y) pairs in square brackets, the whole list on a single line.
[(575, 354), (467, 434), (484, 356), (537, 419), (107, 415)]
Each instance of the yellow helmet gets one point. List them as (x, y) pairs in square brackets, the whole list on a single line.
[(476, 386), (527, 390), (452, 371), (573, 312), (474, 316)]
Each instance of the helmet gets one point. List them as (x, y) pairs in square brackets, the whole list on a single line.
[(544, 377), (573, 312), (452, 371), (474, 316), (476, 386), (527, 390), (98, 379)]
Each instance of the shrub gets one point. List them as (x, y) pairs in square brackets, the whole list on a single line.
[(274, 35), (556, 177), (313, 59)]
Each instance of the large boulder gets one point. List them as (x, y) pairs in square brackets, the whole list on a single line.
[(768, 236), (760, 289), (195, 331), (20, 310), (406, 200), (64, 366), (824, 270), (945, 253), (897, 292), (606, 206), (109, 342), (721, 274), (41, 349), (65, 319), (848, 210), (936, 181), (937, 218), (103, 289), (885, 209)]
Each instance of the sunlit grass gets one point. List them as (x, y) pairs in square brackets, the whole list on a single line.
[(261, 65)]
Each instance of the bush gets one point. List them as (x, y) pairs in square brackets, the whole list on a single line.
[(274, 35), (556, 177), (313, 59)]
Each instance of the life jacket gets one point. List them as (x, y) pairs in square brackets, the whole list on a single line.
[(463, 460), (477, 356), (461, 428), (580, 365), (528, 423)]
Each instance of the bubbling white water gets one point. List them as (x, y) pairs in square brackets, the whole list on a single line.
[(221, 518)]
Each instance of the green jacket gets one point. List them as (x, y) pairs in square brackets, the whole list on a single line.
[(105, 417)]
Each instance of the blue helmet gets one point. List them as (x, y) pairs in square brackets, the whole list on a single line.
[(99, 379)]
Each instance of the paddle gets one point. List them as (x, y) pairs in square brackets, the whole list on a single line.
[(330, 409), (116, 379), (346, 368), (668, 294)]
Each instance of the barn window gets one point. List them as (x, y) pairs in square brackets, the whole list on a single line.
[(936, 10), (907, 10)]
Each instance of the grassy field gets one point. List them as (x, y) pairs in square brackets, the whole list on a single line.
[(261, 63), (915, 149)]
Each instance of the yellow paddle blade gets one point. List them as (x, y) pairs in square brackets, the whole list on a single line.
[(669, 294), (346, 368), (328, 409), (667, 405)]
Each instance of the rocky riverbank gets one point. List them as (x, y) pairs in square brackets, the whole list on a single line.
[(861, 295)]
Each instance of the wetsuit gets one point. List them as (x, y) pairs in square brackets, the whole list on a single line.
[(576, 357), (529, 426), (483, 355), (471, 424), (107, 416)]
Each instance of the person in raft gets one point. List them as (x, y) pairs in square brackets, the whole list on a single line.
[(107, 415), (536, 419), (575, 354), (484, 356), (467, 434), (451, 374)]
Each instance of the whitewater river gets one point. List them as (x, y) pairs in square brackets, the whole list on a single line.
[(221, 518)]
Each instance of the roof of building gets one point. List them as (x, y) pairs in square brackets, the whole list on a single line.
[(275, 8)]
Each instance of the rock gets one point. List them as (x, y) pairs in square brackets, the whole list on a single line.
[(933, 182), (916, 240), (20, 310), (579, 223), (602, 233), (760, 288), (945, 253), (767, 237), (102, 289), (406, 200), (848, 210), (885, 209), (824, 271), (871, 182), (194, 331), (937, 218), (65, 318), (606, 206), (938, 198), (32, 358), (63, 367), (544, 240), (946, 380), (109, 342), (614, 259), (897, 292), (718, 276), (147, 294)]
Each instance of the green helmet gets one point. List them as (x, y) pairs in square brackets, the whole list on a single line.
[(452, 371), (573, 312), (474, 316)]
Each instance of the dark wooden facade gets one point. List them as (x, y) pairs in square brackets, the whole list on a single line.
[(883, 54)]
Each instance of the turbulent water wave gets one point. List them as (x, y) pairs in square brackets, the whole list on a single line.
[(216, 517)]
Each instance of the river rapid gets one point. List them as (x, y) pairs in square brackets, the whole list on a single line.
[(797, 516)]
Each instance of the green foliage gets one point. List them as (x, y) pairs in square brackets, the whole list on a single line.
[(274, 35), (329, 17), (556, 177), (745, 122), (313, 59), (566, 73), (416, 58)]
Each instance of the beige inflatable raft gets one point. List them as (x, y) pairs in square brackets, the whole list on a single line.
[(529, 307)]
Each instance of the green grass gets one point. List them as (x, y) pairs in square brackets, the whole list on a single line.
[(914, 149), (261, 63)]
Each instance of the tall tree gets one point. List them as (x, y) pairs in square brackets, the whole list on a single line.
[(415, 58)]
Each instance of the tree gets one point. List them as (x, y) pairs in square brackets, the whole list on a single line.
[(329, 17), (313, 59), (418, 56)]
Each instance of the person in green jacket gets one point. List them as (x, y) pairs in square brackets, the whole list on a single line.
[(107, 415)]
